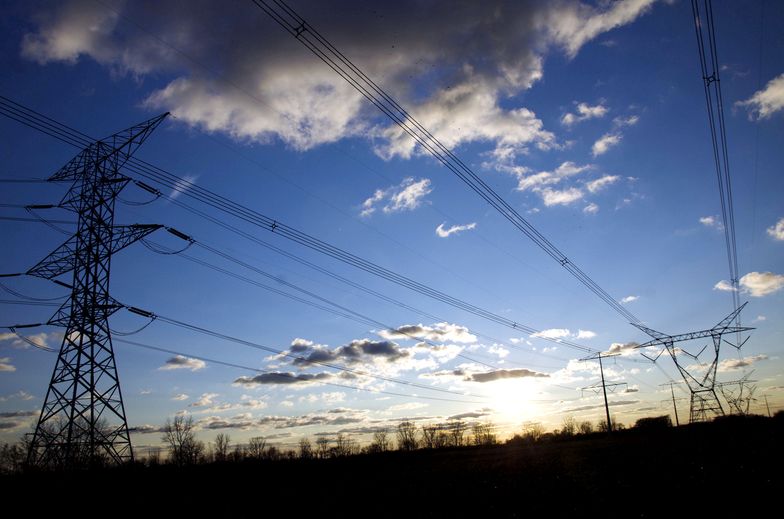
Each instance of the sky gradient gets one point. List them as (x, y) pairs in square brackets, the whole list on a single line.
[(589, 119)]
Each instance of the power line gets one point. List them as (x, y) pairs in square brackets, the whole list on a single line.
[(251, 344), (295, 25), (709, 66), (183, 187), (285, 379)]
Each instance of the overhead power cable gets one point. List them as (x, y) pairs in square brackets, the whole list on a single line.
[(705, 29), (251, 344), (284, 379), (185, 188), (300, 29)]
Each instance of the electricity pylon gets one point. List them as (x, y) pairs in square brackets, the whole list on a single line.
[(704, 400), (83, 419)]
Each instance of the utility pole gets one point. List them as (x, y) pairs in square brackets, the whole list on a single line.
[(767, 406), (82, 420), (605, 385), (604, 390), (674, 407)]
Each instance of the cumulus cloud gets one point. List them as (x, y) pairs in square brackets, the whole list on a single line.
[(764, 103), (724, 286), (759, 319), (205, 400), (182, 362), (585, 334), (594, 186), (283, 378), (756, 284), (436, 332), (776, 231), (584, 111), (712, 222), (5, 364), (736, 364), (622, 348), (39, 340), (591, 208), (445, 233), (620, 122), (760, 284), (500, 374), (572, 25), (356, 351), (270, 88), (406, 196), (629, 299), (605, 142), (546, 178), (20, 395), (180, 397)]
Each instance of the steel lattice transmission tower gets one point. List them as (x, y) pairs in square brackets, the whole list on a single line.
[(704, 400), (83, 417)]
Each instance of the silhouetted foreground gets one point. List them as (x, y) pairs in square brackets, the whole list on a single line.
[(732, 465)]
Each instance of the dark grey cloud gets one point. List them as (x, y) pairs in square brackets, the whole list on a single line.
[(351, 353), (444, 59), (283, 377), (286, 422), (473, 414), (145, 429), (18, 414), (501, 374), (221, 423)]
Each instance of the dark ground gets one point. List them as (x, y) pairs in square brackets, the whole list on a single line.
[(731, 467)]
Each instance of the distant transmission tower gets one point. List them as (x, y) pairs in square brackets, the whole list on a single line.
[(705, 402), (83, 418)]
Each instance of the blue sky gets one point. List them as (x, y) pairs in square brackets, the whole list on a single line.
[(589, 119)]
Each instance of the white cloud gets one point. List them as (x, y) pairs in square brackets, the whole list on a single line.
[(764, 103), (591, 208), (406, 196), (631, 120), (552, 333), (622, 348), (437, 332), (572, 25), (563, 197), (759, 319), (605, 142), (736, 364), (5, 364), (585, 334), (270, 88), (445, 233), (713, 222), (724, 286), (182, 362), (600, 183), (546, 178), (756, 284), (629, 299), (180, 397), (777, 231), (759, 284), (206, 399), (584, 112), (498, 350)]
